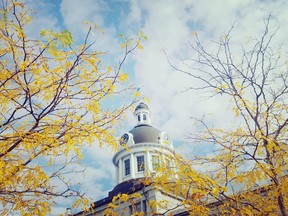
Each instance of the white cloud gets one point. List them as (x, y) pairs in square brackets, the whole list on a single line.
[(169, 25), (96, 180), (76, 12), (42, 18), (75, 15)]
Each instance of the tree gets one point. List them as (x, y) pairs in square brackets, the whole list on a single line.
[(251, 157), (176, 178), (53, 94), (247, 174)]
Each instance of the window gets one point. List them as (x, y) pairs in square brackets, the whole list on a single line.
[(168, 162), (131, 209), (139, 118), (155, 162), (144, 207), (127, 166), (140, 163), (138, 207), (144, 117)]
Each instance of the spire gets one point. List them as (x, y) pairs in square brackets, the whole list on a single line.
[(142, 113)]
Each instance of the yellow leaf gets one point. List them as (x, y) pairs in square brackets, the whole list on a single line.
[(123, 77), (109, 69), (215, 191), (224, 86), (225, 189), (23, 66), (194, 33), (137, 94), (140, 47)]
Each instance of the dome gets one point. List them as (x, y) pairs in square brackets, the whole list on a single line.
[(141, 106), (145, 134)]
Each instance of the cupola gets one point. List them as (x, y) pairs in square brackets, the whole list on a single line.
[(141, 148), (142, 114)]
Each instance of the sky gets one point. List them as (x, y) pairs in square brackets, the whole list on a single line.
[(170, 26)]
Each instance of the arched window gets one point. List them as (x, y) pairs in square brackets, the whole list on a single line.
[(144, 117), (139, 118)]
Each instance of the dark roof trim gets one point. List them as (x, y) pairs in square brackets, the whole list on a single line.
[(127, 187)]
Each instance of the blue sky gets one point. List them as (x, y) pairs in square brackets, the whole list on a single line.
[(169, 25)]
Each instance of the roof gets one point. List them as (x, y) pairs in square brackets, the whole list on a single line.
[(145, 134), (141, 106), (127, 187)]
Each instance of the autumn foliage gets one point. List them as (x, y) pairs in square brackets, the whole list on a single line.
[(52, 94), (246, 171), (250, 157)]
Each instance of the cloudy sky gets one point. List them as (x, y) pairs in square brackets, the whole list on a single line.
[(170, 25)]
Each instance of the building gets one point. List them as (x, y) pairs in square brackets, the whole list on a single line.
[(141, 150)]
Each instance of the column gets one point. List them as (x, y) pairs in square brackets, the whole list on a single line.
[(148, 161), (132, 166), (117, 173), (120, 170)]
